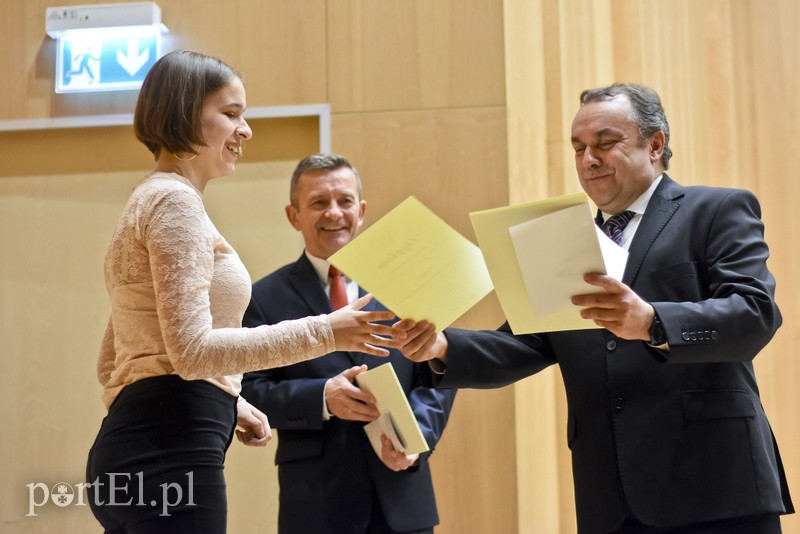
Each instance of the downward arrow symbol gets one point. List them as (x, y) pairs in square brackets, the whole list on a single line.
[(133, 60)]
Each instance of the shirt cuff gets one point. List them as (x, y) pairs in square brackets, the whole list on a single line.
[(326, 415), (437, 366)]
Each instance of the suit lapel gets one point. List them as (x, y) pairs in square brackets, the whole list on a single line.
[(306, 283), (662, 206)]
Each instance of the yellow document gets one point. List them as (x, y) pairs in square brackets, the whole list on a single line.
[(397, 420), (537, 254), (416, 265)]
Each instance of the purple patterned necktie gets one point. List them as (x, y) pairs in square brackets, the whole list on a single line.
[(615, 224)]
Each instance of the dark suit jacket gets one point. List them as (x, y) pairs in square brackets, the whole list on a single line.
[(327, 469), (680, 435)]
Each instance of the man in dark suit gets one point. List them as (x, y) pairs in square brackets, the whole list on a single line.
[(331, 480), (665, 423)]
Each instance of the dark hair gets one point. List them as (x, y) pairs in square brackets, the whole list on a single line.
[(170, 105), (648, 113), (320, 162)]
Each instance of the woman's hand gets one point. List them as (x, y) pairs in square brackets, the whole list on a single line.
[(252, 425), (354, 330)]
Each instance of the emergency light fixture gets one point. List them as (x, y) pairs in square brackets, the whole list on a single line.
[(104, 47)]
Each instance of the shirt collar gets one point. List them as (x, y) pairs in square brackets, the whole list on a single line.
[(638, 206), (322, 266)]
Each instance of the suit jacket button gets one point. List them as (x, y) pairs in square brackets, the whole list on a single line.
[(619, 404), (713, 334), (693, 336), (685, 335), (611, 345)]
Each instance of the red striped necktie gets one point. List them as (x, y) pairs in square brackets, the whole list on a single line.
[(338, 290)]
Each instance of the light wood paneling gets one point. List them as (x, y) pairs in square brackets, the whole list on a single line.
[(540, 408), (452, 160), (68, 151), (278, 46), (769, 114), (54, 230), (414, 54)]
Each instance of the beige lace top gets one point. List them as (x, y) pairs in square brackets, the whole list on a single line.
[(178, 292)]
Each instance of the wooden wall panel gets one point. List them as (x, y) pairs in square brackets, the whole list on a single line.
[(452, 160), (54, 232), (278, 46), (395, 55), (543, 490), (772, 79)]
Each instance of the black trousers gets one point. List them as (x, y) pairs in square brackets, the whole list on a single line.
[(157, 463), (378, 524)]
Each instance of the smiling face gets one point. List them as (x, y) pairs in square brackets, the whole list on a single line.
[(224, 130), (329, 211), (614, 165)]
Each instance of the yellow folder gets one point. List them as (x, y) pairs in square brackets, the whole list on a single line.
[(416, 265)]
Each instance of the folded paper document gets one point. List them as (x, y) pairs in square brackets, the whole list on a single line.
[(537, 254), (397, 420), (416, 265), (386, 426)]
